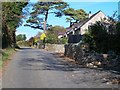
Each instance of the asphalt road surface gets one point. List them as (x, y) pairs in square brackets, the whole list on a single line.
[(35, 68)]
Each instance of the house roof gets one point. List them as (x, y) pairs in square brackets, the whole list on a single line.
[(80, 24)]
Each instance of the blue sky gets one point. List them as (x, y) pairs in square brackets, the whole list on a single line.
[(107, 7)]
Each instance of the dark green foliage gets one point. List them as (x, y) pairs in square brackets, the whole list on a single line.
[(99, 34), (43, 9), (11, 19), (12, 13), (63, 40), (102, 39), (118, 36), (21, 37), (118, 28), (75, 15), (23, 43), (5, 37), (53, 33), (88, 38)]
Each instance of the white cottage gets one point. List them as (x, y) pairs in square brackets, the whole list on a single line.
[(81, 27)]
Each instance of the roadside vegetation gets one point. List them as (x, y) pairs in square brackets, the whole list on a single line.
[(21, 40), (12, 14), (102, 39), (56, 35), (6, 53)]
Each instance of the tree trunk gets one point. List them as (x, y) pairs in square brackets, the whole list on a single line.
[(6, 39), (70, 24), (14, 38), (46, 17)]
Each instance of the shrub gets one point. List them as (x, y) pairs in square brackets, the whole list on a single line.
[(101, 39)]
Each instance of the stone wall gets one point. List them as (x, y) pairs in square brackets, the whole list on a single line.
[(58, 48), (76, 51), (82, 54)]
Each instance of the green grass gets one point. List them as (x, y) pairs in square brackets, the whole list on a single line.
[(5, 55)]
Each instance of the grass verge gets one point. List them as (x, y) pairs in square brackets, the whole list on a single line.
[(5, 54)]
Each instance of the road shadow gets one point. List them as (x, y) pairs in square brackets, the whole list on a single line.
[(50, 62), (47, 63), (54, 63)]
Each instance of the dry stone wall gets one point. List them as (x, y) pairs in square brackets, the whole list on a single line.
[(82, 54), (58, 48)]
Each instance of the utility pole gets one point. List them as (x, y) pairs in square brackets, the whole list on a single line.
[(44, 26), (44, 31)]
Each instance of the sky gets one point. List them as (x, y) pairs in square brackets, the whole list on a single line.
[(108, 8)]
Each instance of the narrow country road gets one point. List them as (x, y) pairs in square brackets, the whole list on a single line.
[(35, 68)]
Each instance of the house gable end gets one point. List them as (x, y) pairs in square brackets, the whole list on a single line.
[(94, 18)]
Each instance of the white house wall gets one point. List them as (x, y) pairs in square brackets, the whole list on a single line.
[(93, 20)]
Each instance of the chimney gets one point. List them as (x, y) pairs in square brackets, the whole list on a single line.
[(89, 15)]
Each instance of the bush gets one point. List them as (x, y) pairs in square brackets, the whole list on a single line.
[(101, 39), (63, 40), (22, 43), (53, 33)]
